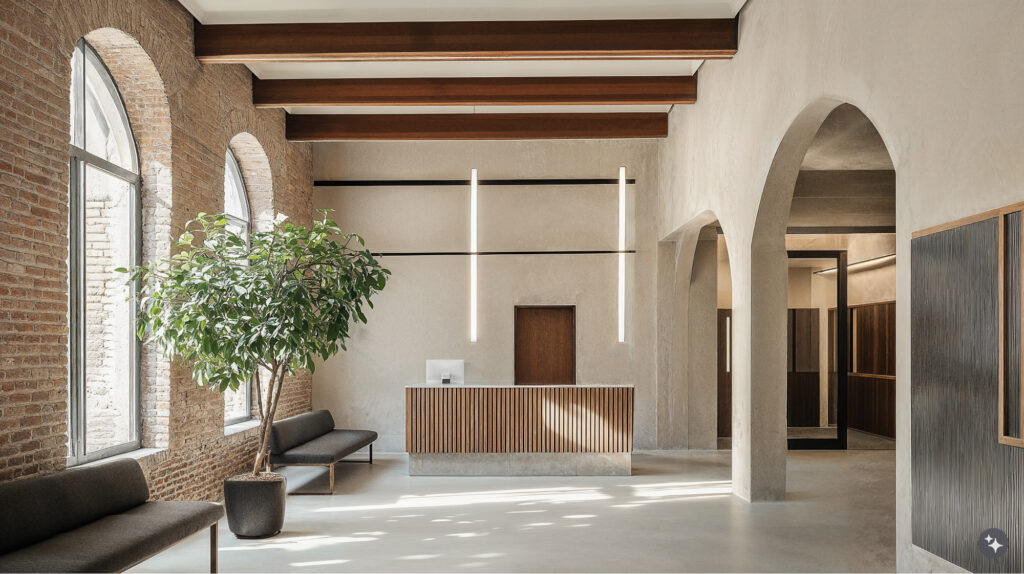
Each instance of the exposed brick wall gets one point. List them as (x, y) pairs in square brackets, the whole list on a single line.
[(183, 115)]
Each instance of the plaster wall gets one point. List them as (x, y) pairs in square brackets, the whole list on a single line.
[(424, 311), (955, 147)]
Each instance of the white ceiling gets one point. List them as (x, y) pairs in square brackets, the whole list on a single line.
[(303, 11), (306, 11)]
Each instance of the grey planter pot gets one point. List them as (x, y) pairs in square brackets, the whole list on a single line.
[(255, 508)]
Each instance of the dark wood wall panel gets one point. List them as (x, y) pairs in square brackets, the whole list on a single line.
[(545, 345), (871, 403), (805, 333), (963, 480), (802, 399), (803, 388), (724, 375), (876, 338), (518, 419)]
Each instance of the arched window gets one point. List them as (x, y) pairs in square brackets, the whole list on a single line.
[(237, 404), (105, 234)]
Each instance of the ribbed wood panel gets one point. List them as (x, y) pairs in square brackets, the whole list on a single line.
[(518, 419)]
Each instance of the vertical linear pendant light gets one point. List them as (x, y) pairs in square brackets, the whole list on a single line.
[(473, 256), (622, 254)]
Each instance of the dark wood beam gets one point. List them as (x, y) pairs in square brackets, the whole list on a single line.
[(476, 91), (558, 39), (475, 126)]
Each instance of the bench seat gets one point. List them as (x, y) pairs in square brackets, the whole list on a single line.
[(310, 439), (115, 542), (94, 518), (327, 448)]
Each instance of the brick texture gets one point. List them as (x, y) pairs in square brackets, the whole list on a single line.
[(184, 116)]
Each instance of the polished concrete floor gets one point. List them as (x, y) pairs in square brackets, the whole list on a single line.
[(674, 514), (855, 439)]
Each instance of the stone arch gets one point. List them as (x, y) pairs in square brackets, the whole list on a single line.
[(258, 178), (145, 101), (761, 323), (687, 302)]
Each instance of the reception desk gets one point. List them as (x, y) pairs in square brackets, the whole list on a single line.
[(519, 430)]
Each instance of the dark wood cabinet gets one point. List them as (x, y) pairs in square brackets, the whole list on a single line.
[(545, 345)]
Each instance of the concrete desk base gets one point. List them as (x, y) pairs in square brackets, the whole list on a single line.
[(521, 464)]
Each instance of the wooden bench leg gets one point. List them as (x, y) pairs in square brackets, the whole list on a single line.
[(332, 477), (213, 549)]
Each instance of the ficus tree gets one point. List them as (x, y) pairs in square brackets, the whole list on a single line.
[(251, 310)]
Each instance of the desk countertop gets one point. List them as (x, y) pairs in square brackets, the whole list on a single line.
[(440, 386)]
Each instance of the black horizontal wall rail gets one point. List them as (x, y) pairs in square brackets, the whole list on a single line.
[(463, 182)]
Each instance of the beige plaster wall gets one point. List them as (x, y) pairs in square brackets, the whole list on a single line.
[(424, 311), (955, 147)]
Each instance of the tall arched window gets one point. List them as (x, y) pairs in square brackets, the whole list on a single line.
[(237, 404), (105, 234)]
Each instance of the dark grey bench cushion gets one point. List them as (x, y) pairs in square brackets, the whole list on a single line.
[(115, 542), (291, 432), (35, 509), (327, 448)]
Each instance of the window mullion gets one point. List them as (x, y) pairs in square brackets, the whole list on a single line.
[(76, 364), (105, 165), (136, 259)]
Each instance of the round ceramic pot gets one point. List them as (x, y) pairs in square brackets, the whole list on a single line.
[(255, 508)]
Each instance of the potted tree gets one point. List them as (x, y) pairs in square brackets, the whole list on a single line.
[(252, 311)]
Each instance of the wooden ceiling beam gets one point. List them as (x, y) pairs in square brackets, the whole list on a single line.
[(638, 90), (556, 39), (475, 126)]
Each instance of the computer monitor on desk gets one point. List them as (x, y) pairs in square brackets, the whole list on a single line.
[(446, 372)]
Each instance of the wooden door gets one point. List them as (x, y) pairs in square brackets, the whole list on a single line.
[(545, 345)]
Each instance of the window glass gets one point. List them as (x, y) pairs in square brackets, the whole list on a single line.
[(109, 345), (107, 133), (103, 413), (237, 404)]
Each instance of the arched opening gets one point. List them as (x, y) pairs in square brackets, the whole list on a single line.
[(694, 306), (238, 402), (104, 234), (248, 204), (145, 103), (254, 167), (830, 191)]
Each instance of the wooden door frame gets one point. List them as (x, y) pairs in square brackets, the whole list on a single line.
[(515, 325)]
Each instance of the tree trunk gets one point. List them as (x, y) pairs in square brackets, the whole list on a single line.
[(265, 422), (267, 418)]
